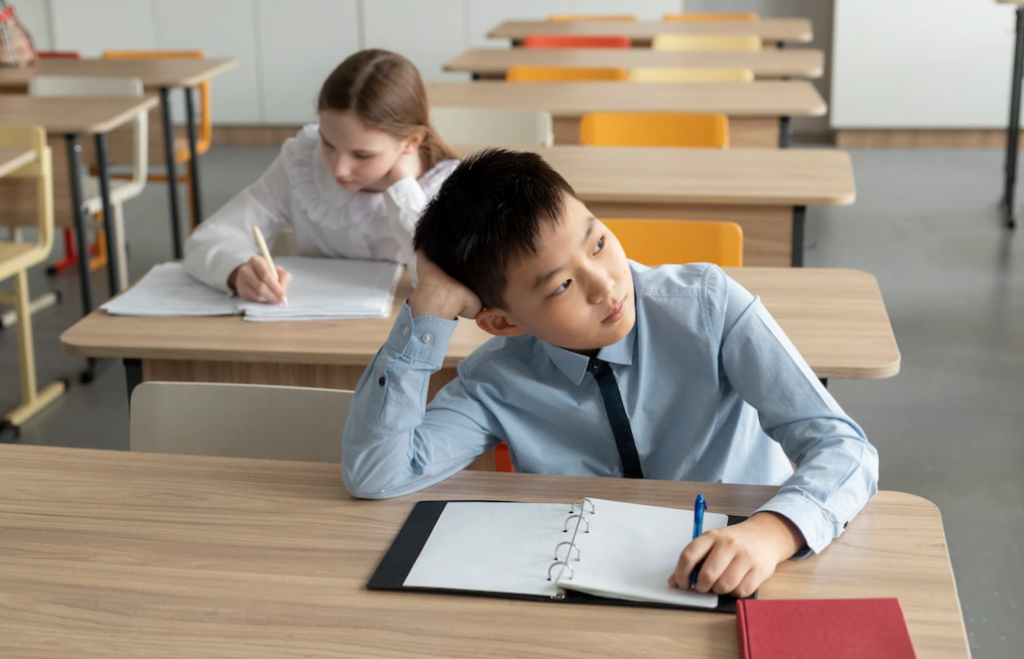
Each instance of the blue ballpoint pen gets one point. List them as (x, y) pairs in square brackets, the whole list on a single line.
[(699, 506)]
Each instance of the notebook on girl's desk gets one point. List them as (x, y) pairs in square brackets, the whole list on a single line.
[(321, 289), (592, 551)]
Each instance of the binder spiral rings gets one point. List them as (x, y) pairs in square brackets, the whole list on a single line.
[(571, 543)]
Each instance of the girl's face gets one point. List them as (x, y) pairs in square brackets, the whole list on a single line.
[(357, 156)]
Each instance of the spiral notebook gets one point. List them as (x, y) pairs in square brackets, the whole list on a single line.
[(590, 551)]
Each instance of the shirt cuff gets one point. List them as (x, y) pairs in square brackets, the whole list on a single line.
[(424, 339), (806, 515), (222, 267)]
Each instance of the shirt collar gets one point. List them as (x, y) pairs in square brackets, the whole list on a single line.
[(574, 365)]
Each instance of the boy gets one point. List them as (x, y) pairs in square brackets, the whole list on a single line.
[(602, 367)]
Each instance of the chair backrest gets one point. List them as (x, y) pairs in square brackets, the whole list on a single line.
[(45, 85), (712, 16), (58, 54), (670, 129), (493, 126), (656, 242), (563, 74), (654, 74), (34, 137), (239, 420), (707, 42), (205, 137), (562, 18), (575, 41)]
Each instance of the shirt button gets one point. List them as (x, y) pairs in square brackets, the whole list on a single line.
[(427, 338), (405, 330), (381, 381)]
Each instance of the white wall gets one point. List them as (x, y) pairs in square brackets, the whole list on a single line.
[(922, 64)]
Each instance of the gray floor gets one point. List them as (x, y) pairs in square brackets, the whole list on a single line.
[(950, 427)]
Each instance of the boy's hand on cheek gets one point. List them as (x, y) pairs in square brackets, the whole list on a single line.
[(738, 559), (439, 295)]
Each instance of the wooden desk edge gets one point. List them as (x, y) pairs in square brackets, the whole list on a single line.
[(224, 64), (148, 102)]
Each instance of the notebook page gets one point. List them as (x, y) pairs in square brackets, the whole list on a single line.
[(494, 547), (633, 549), (331, 288), (166, 290)]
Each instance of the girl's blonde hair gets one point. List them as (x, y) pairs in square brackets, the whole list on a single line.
[(385, 91)]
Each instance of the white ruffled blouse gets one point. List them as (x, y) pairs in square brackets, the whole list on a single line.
[(298, 192)]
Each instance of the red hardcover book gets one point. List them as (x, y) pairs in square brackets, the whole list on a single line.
[(823, 629)]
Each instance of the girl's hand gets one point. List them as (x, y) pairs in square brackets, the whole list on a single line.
[(407, 166), (256, 282)]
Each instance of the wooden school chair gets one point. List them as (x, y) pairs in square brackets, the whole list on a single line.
[(121, 190), (668, 129), (563, 74), (712, 16), (562, 18), (657, 242), (493, 126), (239, 420), (574, 41), (15, 260), (204, 136), (706, 42), (655, 74)]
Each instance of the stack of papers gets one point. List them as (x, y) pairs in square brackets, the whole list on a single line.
[(321, 289)]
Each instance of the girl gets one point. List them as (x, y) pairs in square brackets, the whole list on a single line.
[(351, 186)]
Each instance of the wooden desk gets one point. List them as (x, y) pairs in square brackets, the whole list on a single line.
[(758, 112), (771, 30), (494, 62), (835, 318), (131, 554), (766, 191), (72, 118), (13, 158), (156, 74)]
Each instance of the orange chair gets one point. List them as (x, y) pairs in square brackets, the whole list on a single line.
[(563, 18), (563, 74), (655, 129), (204, 135), (656, 242), (745, 16), (574, 41)]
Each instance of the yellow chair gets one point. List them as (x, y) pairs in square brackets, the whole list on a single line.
[(656, 242), (711, 16), (672, 129), (562, 18), (204, 132), (707, 42), (654, 74), (563, 74), (15, 260)]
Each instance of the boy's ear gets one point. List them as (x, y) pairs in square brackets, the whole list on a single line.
[(498, 323)]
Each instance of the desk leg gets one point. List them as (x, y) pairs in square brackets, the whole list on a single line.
[(133, 377), (113, 251), (799, 218), (1013, 131), (193, 163), (172, 172), (785, 132), (81, 238)]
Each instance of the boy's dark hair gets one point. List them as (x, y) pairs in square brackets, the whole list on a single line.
[(488, 215)]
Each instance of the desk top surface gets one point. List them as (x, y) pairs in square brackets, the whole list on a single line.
[(796, 30), (160, 555), (72, 114), (836, 319), (154, 73)]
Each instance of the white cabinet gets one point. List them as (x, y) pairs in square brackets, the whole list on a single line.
[(300, 43), (485, 15), (35, 16), (98, 25), (427, 32), (224, 28)]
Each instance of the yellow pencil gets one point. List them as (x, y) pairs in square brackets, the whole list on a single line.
[(265, 253)]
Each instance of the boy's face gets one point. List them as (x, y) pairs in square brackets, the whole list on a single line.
[(576, 292)]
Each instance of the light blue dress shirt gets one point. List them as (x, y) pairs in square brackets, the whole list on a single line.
[(714, 390)]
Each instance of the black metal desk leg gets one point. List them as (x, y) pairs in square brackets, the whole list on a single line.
[(132, 376), (799, 217), (172, 172), (190, 114), (113, 253), (785, 132), (78, 216), (1013, 131)]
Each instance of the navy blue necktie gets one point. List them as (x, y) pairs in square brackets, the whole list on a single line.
[(617, 417)]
